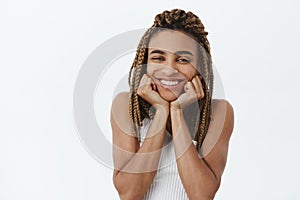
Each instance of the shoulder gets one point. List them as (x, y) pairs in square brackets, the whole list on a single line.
[(124, 142), (220, 127), (215, 146), (223, 110), (120, 112), (120, 103), (222, 103), (120, 98)]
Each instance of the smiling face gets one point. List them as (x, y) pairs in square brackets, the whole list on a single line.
[(172, 62)]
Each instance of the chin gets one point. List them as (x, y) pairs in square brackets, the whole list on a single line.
[(169, 96), (169, 99)]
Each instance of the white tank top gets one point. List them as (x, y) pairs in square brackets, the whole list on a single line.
[(167, 184)]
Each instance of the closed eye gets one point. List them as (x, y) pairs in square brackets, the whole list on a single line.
[(159, 58)]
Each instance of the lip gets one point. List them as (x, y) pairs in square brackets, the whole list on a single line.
[(170, 78), (158, 81)]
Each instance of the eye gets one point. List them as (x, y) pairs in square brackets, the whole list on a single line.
[(158, 58), (183, 60)]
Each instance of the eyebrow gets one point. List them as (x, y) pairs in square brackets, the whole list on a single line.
[(177, 52), (184, 52), (158, 51)]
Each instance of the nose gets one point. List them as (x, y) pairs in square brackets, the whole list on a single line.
[(169, 68)]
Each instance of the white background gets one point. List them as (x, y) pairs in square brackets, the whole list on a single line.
[(44, 43)]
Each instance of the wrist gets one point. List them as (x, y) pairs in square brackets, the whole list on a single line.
[(162, 108), (176, 115), (175, 107), (162, 111)]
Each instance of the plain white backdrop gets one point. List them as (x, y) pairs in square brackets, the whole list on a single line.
[(44, 43)]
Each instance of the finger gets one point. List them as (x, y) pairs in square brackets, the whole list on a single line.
[(142, 84), (142, 81), (199, 75), (148, 82), (153, 83), (188, 87), (198, 86), (201, 86), (199, 78), (145, 81)]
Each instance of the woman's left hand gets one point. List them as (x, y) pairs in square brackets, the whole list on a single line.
[(193, 91)]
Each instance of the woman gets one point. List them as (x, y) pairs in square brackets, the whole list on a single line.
[(169, 113)]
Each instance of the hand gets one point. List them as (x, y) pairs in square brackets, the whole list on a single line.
[(193, 91), (147, 90)]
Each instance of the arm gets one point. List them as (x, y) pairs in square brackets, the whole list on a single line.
[(201, 177), (135, 167)]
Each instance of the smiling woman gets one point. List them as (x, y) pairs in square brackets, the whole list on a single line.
[(170, 137), (171, 63)]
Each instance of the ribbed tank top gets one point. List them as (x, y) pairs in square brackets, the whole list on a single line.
[(167, 184)]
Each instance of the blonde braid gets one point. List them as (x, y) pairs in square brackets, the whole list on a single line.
[(136, 103), (203, 126)]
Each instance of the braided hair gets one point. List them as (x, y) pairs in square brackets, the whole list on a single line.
[(139, 109)]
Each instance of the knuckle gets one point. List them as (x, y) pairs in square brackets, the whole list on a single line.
[(140, 91), (144, 91)]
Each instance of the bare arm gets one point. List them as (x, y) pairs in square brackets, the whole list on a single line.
[(201, 177), (135, 167)]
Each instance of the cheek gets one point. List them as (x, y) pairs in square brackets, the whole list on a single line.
[(152, 68), (149, 70), (189, 73)]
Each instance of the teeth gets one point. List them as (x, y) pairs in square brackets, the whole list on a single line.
[(169, 82)]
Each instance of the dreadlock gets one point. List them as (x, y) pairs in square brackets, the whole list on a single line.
[(139, 109)]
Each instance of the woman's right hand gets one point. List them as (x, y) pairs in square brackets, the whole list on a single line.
[(147, 90)]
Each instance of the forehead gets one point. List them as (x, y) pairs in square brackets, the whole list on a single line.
[(173, 41)]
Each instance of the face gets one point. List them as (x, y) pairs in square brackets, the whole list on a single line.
[(172, 62)]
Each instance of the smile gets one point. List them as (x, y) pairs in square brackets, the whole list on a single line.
[(169, 83)]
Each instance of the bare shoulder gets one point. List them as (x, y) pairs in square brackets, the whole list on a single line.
[(222, 103), (220, 127), (216, 143), (122, 136), (223, 110), (120, 99), (120, 103), (120, 112)]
